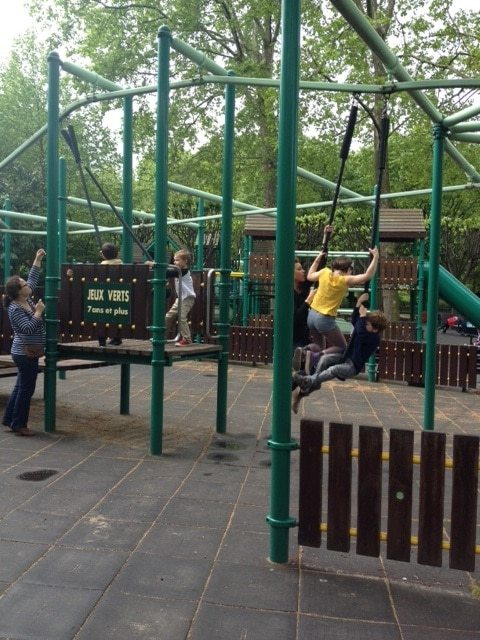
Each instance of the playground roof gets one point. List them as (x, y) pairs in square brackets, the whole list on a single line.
[(260, 226), (401, 225)]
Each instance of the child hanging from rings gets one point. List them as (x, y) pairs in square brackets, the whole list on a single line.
[(332, 287), (364, 341)]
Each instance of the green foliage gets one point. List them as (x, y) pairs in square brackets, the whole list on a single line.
[(118, 41)]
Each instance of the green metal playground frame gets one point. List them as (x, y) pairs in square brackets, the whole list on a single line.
[(445, 129)]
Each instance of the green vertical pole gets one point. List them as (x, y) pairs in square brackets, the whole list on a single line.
[(247, 245), (372, 365), (7, 243), (127, 242), (281, 443), (225, 256), (432, 300), (200, 241), (160, 267), (199, 244), (420, 290), (52, 277), (62, 224), (62, 210)]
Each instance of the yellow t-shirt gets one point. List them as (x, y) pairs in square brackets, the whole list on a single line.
[(330, 293)]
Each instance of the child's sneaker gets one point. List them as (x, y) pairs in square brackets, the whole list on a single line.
[(304, 383), (301, 358), (183, 342)]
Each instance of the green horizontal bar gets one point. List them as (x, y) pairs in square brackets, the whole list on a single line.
[(89, 76), (462, 115), (465, 137)]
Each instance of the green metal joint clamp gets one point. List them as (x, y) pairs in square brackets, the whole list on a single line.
[(283, 446), (288, 523)]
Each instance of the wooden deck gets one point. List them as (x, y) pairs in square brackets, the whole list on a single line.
[(135, 351), (8, 367)]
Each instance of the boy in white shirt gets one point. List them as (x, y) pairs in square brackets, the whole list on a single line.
[(182, 259)]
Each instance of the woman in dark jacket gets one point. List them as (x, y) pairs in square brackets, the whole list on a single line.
[(301, 304), (26, 320)]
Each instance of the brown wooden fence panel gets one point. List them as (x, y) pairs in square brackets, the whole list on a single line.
[(261, 267), (432, 492), (400, 480), (71, 308), (369, 502), (390, 370), (405, 361), (339, 487), (311, 474), (432, 495), (443, 361), (262, 320), (398, 272), (464, 502)]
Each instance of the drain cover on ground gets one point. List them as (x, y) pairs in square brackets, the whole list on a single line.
[(36, 476)]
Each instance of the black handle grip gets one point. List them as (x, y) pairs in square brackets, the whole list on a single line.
[(382, 143), (352, 119)]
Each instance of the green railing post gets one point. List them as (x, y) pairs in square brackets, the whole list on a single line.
[(247, 247), (225, 256), (62, 224), (127, 242), (7, 243), (432, 300), (200, 239), (372, 365), (62, 211), (160, 268), (281, 443), (52, 277), (420, 290)]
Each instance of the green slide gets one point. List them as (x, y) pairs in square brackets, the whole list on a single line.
[(458, 296)]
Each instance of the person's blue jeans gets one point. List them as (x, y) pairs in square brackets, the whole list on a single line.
[(18, 406)]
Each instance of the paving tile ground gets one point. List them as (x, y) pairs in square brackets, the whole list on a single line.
[(119, 544)]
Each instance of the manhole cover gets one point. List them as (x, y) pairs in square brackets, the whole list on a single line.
[(36, 476)]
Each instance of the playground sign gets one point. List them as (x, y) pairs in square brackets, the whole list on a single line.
[(108, 303)]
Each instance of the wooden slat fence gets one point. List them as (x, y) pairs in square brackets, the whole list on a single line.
[(398, 272), (262, 267), (445, 499), (404, 361), (73, 328), (251, 344)]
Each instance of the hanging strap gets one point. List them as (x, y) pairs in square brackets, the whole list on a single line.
[(344, 151), (119, 216), (72, 143), (71, 140), (382, 161)]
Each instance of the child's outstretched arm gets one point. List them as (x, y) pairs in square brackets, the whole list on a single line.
[(319, 262), (362, 298), (314, 271), (362, 278)]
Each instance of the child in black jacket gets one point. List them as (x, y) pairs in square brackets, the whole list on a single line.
[(365, 339)]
